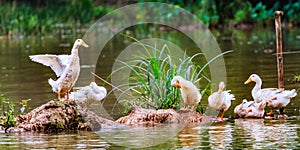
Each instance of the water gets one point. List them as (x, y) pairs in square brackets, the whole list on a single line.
[(234, 134), (22, 79)]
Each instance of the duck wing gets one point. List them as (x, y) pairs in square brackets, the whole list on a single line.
[(274, 93), (215, 100), (57, 63)]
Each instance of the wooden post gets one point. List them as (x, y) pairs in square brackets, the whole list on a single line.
[(279, 48)]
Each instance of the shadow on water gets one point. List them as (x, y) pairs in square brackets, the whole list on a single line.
[(22, 79)]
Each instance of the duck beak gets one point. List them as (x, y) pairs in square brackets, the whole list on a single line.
[(84, 44), (176, 85), (248, 81)]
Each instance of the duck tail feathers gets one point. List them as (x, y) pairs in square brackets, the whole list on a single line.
[(51, 82), (228, 95), (292, 93)]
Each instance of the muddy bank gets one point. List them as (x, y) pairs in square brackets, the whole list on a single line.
[(56, 116), (144, 116)]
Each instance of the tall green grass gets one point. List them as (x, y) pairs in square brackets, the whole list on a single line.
[(151, 75)]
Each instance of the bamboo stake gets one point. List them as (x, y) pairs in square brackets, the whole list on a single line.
[(279, 48)]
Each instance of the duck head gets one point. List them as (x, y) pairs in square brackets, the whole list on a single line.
[(176, 81), (221, 87), (253, 78), (78, 43)]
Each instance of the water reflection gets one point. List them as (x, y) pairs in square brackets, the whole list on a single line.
[(220, 136), (234, 134), (65, 140), (215, 136), (135, 136), (189, 137), (242, 133), (268, 133)]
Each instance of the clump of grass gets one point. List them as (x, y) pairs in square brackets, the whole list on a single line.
[(296, 78), (151, 75), (9, 113)]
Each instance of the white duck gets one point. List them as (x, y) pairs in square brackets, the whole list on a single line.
[(66, 67), (189, 92), (275, 98), (91, 93), (250, 109), (221, 100)]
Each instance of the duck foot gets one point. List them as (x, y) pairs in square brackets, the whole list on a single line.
[(219, 119), (184, 110), (281, 116), (277, 117), (269, 115)]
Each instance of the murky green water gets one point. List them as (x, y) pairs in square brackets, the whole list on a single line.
[(253, 53)]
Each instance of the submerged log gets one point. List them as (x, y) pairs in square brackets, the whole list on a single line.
[(144, 116)]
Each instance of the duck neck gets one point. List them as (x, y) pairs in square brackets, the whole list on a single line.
[(185, 85), (257, 87), (75, 49), (220, 90)]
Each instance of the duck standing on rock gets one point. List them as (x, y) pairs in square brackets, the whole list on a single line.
[(189, 92), (221, 100), (66, 67), (274, 97)]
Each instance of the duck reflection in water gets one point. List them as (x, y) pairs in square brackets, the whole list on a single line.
[(217, 135), (277, 133), (189, 137)]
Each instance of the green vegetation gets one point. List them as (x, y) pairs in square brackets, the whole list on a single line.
[(296, 78), (25, 18), (234, 12), (8, 111), (152, 70)]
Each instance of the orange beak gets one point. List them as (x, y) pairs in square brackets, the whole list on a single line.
[(177, 85), (248, 81)]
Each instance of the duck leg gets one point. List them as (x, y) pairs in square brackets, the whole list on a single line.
[(67, 95), (222, 115), (270, 113), (58, 95), (281, 111), (184, 106), (192, 107)]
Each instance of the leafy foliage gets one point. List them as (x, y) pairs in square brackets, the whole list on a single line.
[(41, 17), (27, 19)]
